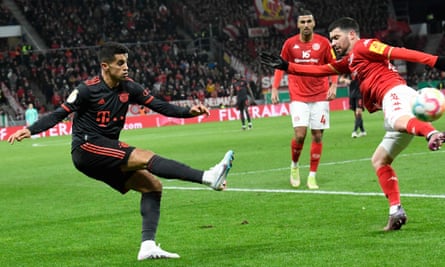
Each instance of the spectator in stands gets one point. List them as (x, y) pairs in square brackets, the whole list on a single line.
[(31, 115)]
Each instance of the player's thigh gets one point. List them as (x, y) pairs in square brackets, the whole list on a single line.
[(300, 113), (395, 142), (143, 181), (355, 103), (319, 115), (102, 159), (396, 104), (138, 160), (241, 104), (352, 103)]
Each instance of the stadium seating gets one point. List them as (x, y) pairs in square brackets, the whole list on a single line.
[(165, 57)]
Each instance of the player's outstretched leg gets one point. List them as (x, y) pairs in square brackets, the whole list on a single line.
[(149, 250), (216, 176)]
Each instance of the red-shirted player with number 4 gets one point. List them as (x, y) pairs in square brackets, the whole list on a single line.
[(309, 96), (382, 88)]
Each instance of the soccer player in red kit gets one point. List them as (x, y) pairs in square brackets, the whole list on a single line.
[(382, 88), (309, 96)]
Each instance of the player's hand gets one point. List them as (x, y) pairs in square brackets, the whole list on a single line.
[(440, 63), (19, 135), (274, 61), (274, 97), (332, 92), (199, 109)]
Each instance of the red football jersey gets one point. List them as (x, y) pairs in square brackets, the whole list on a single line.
[(318, 51), (369, 63)]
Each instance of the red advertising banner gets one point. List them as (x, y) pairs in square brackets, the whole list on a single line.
[(157, 120)]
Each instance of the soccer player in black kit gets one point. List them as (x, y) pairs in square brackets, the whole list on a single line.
[(355, 104), (100, 106), (242, 87)]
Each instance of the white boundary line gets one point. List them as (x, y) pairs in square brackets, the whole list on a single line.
[(319, 192), (294, 191)]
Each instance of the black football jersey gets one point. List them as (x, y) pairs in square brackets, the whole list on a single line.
[(101, 110), (241, 89)]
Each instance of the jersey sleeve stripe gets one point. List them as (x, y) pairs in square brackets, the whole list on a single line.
[(149, 100), (67, 109)]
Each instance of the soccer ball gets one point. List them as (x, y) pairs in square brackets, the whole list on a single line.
[(429, 104)]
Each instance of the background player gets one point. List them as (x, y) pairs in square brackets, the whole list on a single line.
[(309, 96), (241, 88), (355, 104), (100, 106), (31, 115), (382, 88)]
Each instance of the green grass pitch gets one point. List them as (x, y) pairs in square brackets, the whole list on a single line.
[(52, 215)]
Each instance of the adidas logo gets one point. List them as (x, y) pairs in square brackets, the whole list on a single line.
[(101, 101)]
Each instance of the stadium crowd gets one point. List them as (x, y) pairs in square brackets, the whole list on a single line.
[(372, 15), (165, 59), (160, 60)]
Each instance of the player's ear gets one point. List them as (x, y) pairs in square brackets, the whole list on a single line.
[(104, 65)]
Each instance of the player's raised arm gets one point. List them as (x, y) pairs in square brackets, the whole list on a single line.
[(40, 125), (278, 62), (410, 55)]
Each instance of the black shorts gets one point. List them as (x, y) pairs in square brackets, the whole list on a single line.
[(242, 104), (355, 102), (101, 158)]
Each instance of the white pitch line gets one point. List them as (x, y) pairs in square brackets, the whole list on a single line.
[(319, 192), (315, 192), (331, 163)]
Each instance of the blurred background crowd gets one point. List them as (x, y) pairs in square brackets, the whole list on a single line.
[(184, 49)]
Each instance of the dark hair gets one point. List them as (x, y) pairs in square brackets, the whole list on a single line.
[(345, 23), (109, 49), (305, 12)]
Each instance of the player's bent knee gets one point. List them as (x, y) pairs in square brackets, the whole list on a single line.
[(380, 158), (143, 181)]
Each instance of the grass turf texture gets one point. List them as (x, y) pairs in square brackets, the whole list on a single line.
[(52, 215)]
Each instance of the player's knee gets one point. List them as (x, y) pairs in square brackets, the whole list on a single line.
[(151, 186), (379, 160), (156, 185)]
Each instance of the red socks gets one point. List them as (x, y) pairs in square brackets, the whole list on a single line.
[(316, 149), (419, 128), (315, 155), (295, 150), (389, 184)]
